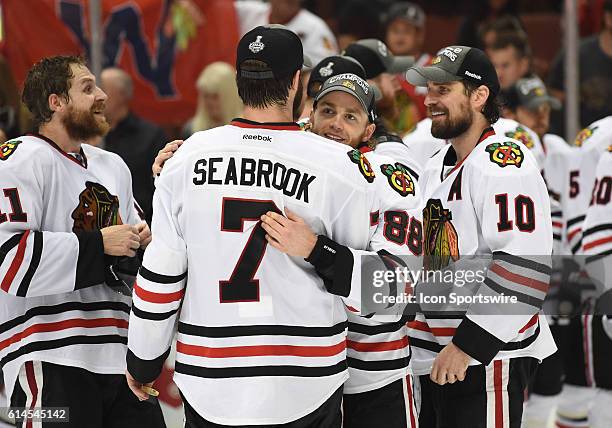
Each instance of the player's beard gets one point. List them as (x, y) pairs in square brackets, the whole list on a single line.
[(452, 128), (297, 101), (82, 125)]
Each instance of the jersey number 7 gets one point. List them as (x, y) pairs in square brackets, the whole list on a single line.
[(242, 285)]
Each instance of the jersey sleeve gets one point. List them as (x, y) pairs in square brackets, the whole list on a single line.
[(396, 230), (159, 287), (33, 261), (597, 234), (513, 210)]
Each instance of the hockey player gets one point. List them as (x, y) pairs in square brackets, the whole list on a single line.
[(245, 332), (484, 197), (66, 215), (597, 247)]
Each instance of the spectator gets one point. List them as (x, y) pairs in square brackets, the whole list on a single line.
[(595, 64), (511, 57), (131, 137), (505, 24), (218, 100), (381, 66), (317, 38), (405, 34), (483, 11), (10, 106)]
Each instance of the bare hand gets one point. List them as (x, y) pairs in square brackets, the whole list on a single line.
[(288, 234), (120, 240), (144, 233), (450, 365), (136, 387), (164, 154)]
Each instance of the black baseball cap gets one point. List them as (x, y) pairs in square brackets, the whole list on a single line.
[(410, 12), (276, 46), (354, 85), (455, 63), (376, 58), (531, 93), (332, 66)]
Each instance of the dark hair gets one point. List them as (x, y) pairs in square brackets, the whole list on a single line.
[(517, 40), (492, 108), (262, 93), (48, 76), (503, 24)]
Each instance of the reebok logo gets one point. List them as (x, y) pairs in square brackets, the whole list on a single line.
[(473, 75), (252, 137)]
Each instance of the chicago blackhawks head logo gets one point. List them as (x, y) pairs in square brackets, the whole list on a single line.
[(506, 153), (97, 209), (8, 148), (363, 163), (441, 243), (399, 178), (522, 135), (584, 135)]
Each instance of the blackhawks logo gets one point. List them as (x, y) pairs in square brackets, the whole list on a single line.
[(365, 168), (584, 135), (399, 178), (522, 135), (506, 153), (440, 243), (8, 148), (97, 209)]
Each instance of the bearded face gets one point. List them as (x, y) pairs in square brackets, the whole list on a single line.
[(83, 125), (451, 124)]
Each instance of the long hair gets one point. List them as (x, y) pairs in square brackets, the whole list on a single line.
[(219, 78)]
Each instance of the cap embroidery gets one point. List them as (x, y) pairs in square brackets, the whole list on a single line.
[(257, 45), (451, 53), (327, 70)]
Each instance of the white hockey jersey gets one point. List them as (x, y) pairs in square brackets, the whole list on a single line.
[(597, 233), (592, 141), (50, 307), (556, 169), (402, 153), (378, 352), (260, 339), (493, 203)]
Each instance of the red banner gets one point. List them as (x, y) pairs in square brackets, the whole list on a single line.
[(163, 44)]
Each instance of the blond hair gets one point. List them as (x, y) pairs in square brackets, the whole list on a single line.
[(217, 78)]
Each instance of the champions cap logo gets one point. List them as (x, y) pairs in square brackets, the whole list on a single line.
[(399, 178), (523, 136), (353, 78), (506, 153), (450, 53), (436, 60), (327, 70), (97, 209), (365, 168), (441, 242), (349, 84), (257, 45), (8, 148), (584, 135)]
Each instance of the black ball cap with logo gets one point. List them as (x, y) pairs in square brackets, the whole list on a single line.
[(274, 45), (355, 86), (455, 63), (332, 66)]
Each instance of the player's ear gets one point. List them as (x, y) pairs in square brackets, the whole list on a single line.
[(56, 102), (296, 79), (369, 131), (479, 97)]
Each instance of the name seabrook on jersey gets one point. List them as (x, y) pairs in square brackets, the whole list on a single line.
[(233, 171)]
